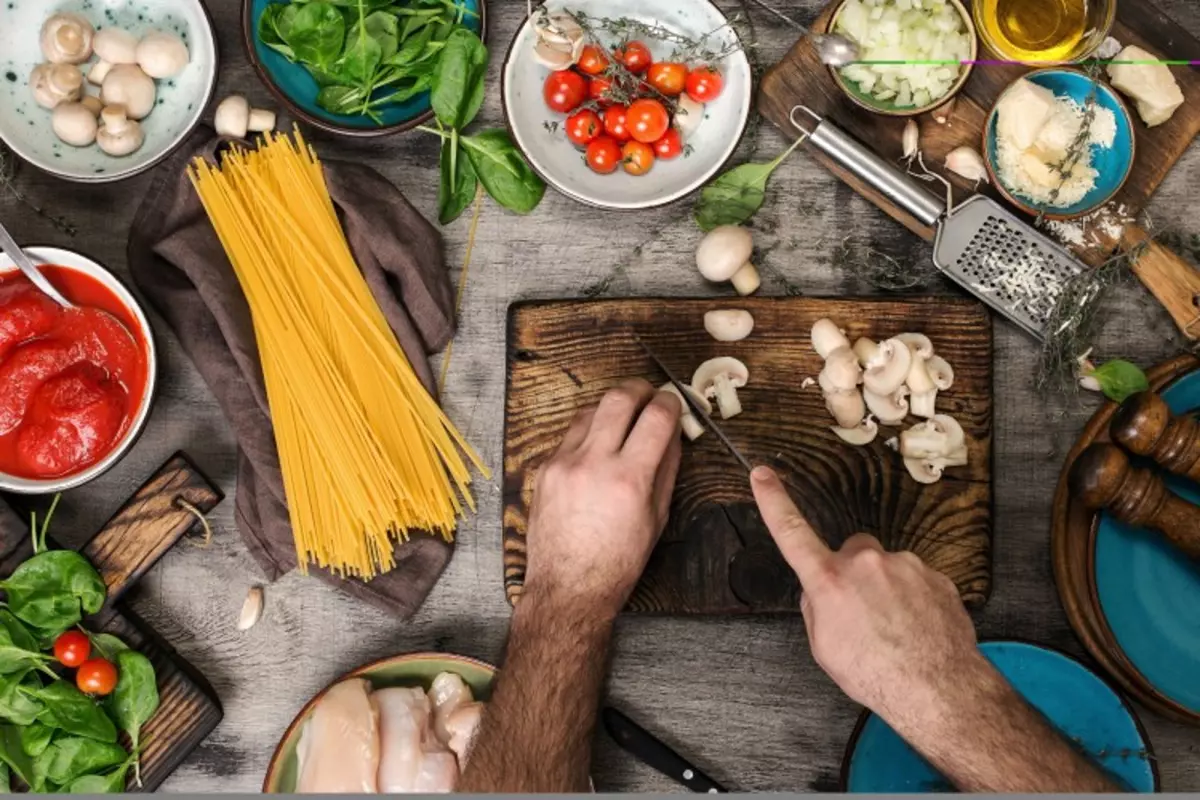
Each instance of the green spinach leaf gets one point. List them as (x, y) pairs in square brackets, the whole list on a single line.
[(112, 783), (52, 590), (70, 757), (5, 779), (736, 195), (18, 706), (35, 738), (503, 172), (107, 645), (458, 79), (271, 25), (74, 712), (16, 657), (1119, 379), (342, 99), (13, 755), (317, 34), (135, 699), (360, 60), (458, 184)]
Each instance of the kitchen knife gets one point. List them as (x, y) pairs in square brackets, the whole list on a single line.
[(697, 410), (642, 744)]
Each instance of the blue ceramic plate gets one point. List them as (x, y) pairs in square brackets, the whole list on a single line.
[(1074, 699), (1149, 591), (1113, 163), (297, 89)]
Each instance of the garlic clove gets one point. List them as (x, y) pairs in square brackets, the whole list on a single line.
[(967, 162), (911, 139), (252, 608)]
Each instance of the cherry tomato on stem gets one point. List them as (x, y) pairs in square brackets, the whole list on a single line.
[(593, 60), (564, 90), (583, 126), (669, 146), (667, 77), (704, 84), (647, 120), (615, 124), (635, 56), (604, 155), (637, 158), (72, 648), (96, 676), (599, 89)]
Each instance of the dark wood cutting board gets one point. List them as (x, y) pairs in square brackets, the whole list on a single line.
[(716, 556), (800, 79), (148, 525)]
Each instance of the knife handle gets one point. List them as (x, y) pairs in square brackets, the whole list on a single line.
[(647, 748)]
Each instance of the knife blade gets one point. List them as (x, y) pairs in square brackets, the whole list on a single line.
[(652, 752), (697, 410)]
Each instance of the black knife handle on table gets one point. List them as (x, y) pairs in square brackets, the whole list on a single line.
[(643, 745)]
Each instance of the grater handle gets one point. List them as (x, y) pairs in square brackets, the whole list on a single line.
[(878, 173)]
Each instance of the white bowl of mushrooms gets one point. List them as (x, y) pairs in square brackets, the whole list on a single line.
[(98, 91)]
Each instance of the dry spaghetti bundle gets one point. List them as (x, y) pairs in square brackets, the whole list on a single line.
[(367, 455)]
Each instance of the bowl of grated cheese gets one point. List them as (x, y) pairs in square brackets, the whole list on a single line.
[(1058, 143)]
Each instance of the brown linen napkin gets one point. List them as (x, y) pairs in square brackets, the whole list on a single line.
[(179, 264)]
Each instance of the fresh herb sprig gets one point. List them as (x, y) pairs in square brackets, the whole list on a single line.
[(687, 49)]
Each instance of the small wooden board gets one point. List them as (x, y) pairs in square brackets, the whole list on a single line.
[(128, 545), (716, 556)]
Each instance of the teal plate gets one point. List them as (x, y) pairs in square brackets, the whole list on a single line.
[(1075, 700), (297, 89), (1149, 591)]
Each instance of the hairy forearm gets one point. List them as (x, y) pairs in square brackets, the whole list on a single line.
[(536, 732), (978, 732)]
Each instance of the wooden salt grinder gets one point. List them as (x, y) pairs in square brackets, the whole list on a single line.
[(1143, 425), (1103, 478)]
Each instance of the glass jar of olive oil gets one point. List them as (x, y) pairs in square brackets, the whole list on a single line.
[(1044, 31)]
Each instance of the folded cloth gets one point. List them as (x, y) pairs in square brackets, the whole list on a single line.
[(179, 265)]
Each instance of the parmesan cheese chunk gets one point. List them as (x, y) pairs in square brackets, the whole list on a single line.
[(1022, 112), (1151, 85)]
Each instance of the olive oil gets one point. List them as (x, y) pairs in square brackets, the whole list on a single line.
[(1034, 30)]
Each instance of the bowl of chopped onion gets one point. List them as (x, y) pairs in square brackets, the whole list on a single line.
[(914, 55)]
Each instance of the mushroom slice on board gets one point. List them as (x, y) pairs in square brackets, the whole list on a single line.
[(862, 434), (827, 337), (842, 371), (888, 370), (937, 437), (719, 379), (890, 409), (728, 324), (847, 408), (866, 349), (692, 428)]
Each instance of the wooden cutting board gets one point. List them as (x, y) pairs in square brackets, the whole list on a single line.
[(800, 79), (716, 557), (148, 525)]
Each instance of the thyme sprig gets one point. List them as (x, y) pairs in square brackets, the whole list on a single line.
[(687, 49), (1079, 146)]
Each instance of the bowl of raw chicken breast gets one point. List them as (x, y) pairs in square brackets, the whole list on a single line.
[(398, 725)]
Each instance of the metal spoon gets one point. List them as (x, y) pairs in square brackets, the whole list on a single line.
[(13, 251), (834, 49)]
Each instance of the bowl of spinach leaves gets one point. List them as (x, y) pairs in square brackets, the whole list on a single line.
[(354, 67)]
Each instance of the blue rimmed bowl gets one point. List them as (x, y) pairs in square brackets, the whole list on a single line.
[(297, 90), (1112, 163)]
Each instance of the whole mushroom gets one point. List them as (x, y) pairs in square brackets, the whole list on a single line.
[(52, 84), (115, 46), (118, 135), (161, 54), (74, 123), (719, 379), (724, 255), (92, 104), (728, 324), (234, 117), (126, 85), (66, 38)]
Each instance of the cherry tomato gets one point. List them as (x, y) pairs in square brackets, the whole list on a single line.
[(667, 77), (564, 90), (634, 55), (598, 90), (583, 126), (96, 676), (669, 146), (704, 84), (592, 61), (637, 158), (72, 648), (647, 120), (603, 155), (615, 123)]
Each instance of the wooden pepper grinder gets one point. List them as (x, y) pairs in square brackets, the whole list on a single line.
[(1103, 478), (1143, 425)]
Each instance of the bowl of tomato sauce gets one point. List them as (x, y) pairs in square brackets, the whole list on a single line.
[(77, 382)]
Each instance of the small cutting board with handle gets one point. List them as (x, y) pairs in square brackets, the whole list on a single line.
[(716, 556)]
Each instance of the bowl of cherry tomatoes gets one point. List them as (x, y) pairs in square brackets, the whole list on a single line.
[(620, 105)]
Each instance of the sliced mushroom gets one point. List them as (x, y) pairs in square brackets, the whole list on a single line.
[(52, 84), (116, 46), (940, 372), (888, 370), (161, 54), (719, 379), (924, 470), (67, 39), (924, 391), (847, 408), (728, 324), (918, 343), (890, 409), (126, 85), (827, 337), (692, 428), (842, 371), (74, 123), (862, 434), (935, 438), (724, 255), (866, 350), (118, 135)]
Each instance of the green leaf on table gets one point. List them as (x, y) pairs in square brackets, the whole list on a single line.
[(13, 755), (70, 757), (1119, 379), (503, 172), (71, 710), (18, 706), (35, 738), (53, 590), (458, 79), (135, 699), (737, 194), (317, 33), (458, 184)]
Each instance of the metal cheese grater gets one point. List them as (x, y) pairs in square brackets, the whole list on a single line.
[(987, 249)]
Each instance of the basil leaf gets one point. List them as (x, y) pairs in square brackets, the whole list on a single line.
[(70, 757), (18, 706), (737, 194), (317, 33), (35, 738), (13, 755), (503, 172), (135, 699), (1120, 380), (458, 79), (74, 712), (459, 182)]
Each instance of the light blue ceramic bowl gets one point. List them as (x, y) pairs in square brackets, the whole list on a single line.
[(1113, 163), (297, 89), (1074, 699)]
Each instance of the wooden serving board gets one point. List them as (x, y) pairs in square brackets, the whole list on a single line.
[(716, 557), (801, 79), (124, 549)]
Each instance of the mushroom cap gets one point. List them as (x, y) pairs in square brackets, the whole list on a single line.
[(74, 123), (92, 104), (161, 54), (728, 324), (847, 408), (919, 380), (118, 136), (940, 372), (724, 251), (923, 470), (920, 344), (937, 437), (116, 46), (707, 374), (232, 117), (842, 371), (66, 38), (127, 85), (891, 409), (865, 349), (827, 337), (888, 370), (52, 84)]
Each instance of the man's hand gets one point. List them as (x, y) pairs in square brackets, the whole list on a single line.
[(600, 503)]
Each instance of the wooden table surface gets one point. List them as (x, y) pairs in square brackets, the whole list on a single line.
[(741, 697)]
